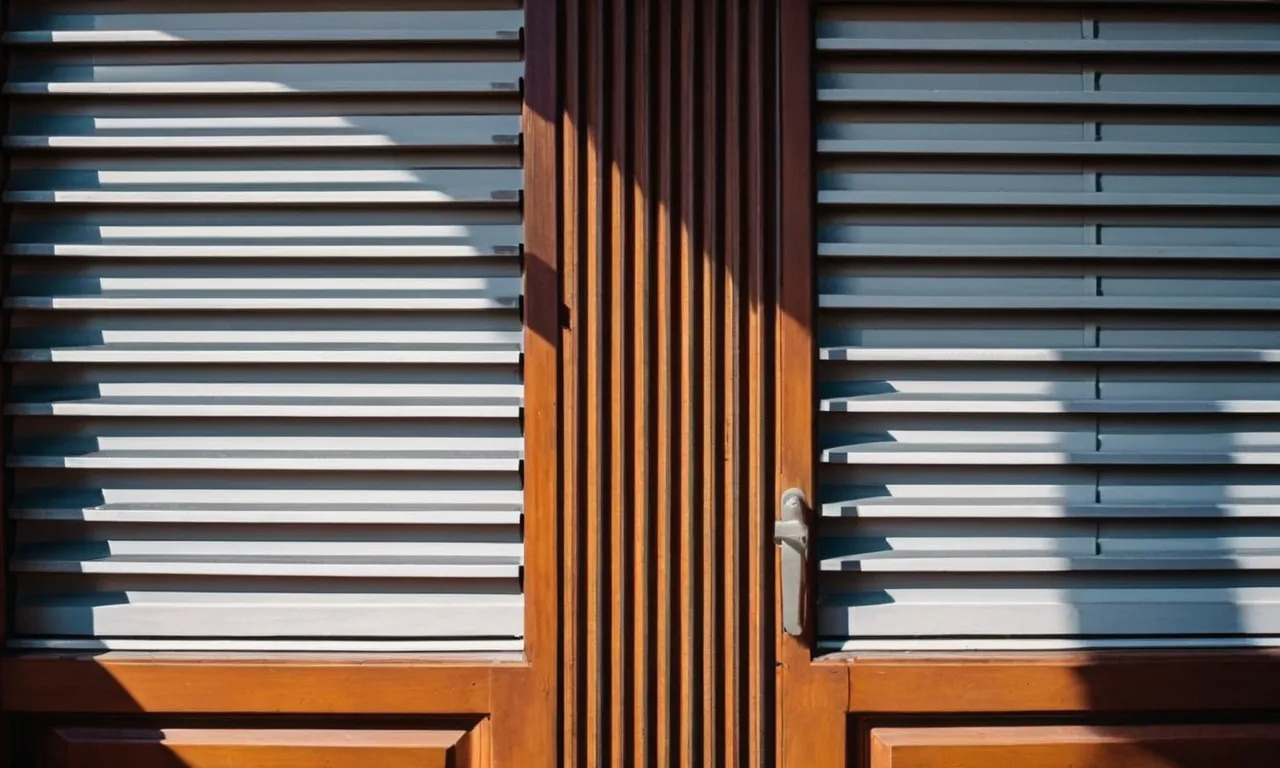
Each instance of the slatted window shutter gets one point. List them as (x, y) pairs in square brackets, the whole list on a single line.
[(1047, 247), (264, 331)]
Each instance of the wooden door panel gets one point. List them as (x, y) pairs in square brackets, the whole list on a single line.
[(835, 123), (1147, 746), (69, 703), (78, 747)]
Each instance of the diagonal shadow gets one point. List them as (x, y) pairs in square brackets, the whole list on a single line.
[(76, 177)]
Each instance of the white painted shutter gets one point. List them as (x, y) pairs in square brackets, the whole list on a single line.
[(1048, 328), (265, 334)]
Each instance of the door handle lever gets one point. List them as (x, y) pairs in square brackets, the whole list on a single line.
[(791, 534)]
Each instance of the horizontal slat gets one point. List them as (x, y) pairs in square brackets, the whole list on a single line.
[(1044, 252), (1005, 508), (1046, 98), (388, 354), (183, 251), (273, 35), (351, 198), (1117, 149), (286, 133), (1033, 46), (276, 544), (999, 561), (965, 454), (338, 439), (1082, 302), (115, 233), (266, 460), (161, 388), (386, 300), (471, 645), (427, 87), (73, 559), (283, 142), (177, 614), (251, 337), (267, 514), (1118, 611), (266, 187), (306, 493), (340, 408), (1073, 355), (1047, 199), (354, 197), (919, 403), (267, 26)]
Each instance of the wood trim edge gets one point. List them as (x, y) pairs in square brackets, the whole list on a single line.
[(524, 702), (1052, 746), (1094, 683), (260, 684), (812, 721)]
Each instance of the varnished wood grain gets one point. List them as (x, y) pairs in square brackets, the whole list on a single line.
[(664, 594), (572, 191), (817, 697), (1116, 681), (812, 721), (525, 703), (621, 382), (597, 400), (1170, 746), (475, 748), (669, 373), (218, 748), (641, 276), (124, 683), (756, 292), (688, 264), (521, 694), (667, 433)]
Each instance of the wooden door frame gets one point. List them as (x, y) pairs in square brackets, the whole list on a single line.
[(827, 704), (811, 695), (512, 700)]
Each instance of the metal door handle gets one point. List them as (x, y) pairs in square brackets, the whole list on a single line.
[(791, 533)]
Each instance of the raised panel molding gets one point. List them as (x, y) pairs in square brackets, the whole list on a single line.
[(79, 747), (1163, 746)]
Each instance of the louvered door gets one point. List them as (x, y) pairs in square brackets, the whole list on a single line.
[(1046, 239), (264, 330)]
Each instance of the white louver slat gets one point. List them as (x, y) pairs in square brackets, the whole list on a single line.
[(264, 330), (1047, 298)]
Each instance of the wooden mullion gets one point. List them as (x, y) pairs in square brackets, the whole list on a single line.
[(811, 718)]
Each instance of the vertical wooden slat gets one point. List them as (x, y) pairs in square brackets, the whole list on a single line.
[(597, 398), (621, 383), (756, 365), (711, 415), (666, 432), (574, 131), (674, 662), (686, 311), (644, 197), (731, 287)]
